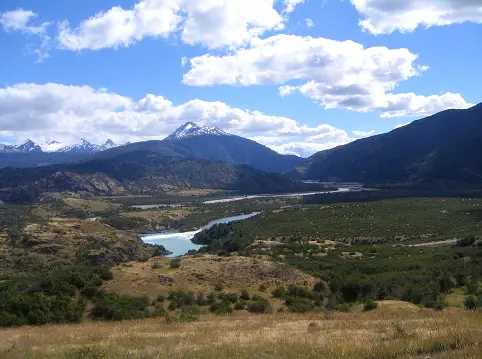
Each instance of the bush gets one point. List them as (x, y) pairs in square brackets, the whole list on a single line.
[(156, 266), (370, 305), (112, 306), (279, 292), (160, 298), (259, 306), (239, 306), (262, 288), (175, 263), (56, 297), (300, 305), (470, 302), (244, 295), (221, 308)]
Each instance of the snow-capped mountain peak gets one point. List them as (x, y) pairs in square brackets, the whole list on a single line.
[(190, 129), (82, 146), (28, 146)]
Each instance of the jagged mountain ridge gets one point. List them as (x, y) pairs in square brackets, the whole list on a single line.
[(189, 140), (30, 146), (190, 129)]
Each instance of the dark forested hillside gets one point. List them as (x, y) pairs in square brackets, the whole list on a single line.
[(138, 172), (444, 148)]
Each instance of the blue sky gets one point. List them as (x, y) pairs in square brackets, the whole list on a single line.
[(298, 76)]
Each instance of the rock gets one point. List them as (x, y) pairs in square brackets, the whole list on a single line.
[(164, 279)]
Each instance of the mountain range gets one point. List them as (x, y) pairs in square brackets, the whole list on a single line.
[(83, 146), (442, 149), (189, 140)]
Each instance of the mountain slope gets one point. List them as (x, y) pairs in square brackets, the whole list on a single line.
[(235, 150), (441, 148), (138, 172)]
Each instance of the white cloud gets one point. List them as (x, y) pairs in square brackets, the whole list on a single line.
[(21, 20), (291, 4), (309, 22), (402, 125), (212, 23), (304, 149), (46, 112), (387, 16), (338, 74), (119, 27), (363, 133), (232, 23)]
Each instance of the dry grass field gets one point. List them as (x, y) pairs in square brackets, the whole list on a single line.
[(388, 332), (203, 273)]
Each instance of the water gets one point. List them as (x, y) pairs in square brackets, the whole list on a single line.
[(300, 194), (180, 243)]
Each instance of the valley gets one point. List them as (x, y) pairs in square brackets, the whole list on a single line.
[(183, 241)]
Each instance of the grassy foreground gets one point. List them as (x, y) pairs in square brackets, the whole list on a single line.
[(388, 332)]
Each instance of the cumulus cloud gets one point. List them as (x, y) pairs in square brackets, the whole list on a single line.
[(291, 4), (21, 20), (337, 74), (211, 23), (386, 16), (46, 112)]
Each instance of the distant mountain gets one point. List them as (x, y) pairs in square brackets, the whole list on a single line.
[(83, 146), (190, 129), (210, 142), (139, 172), (441, 149), (189, 140)]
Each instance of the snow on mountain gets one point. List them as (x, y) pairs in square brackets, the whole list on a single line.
[(190, 129), (83, 146), (29, 146)]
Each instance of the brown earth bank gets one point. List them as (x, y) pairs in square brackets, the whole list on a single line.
[(383, 333), (62, 242)]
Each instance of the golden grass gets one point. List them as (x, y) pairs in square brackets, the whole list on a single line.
[(381, 334), (203, 273)]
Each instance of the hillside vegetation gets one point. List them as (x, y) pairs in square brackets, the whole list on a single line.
[(441, 149), (140, 172)]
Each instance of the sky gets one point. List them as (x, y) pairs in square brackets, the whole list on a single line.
[(298, 76)]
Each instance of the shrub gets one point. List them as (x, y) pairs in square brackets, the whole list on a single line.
[(221, 308), (112, 306), (470, 302), (262, 288), (175, 263), (190, 314), (160, 298), (300, 305), (156, 266), (259, 306), (239, 306), (218, 287), (279, 292), (370, 305), (244, 295), (159, 311), (439, 305)]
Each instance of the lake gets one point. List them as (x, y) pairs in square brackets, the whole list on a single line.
[(180, 243)]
